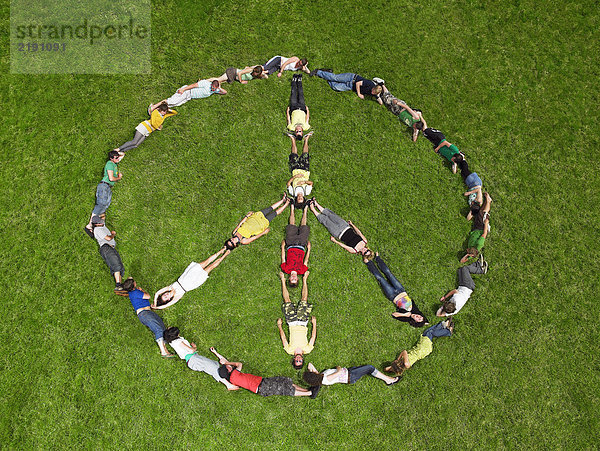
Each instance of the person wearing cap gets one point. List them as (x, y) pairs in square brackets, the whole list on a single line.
[(104, 188), (296, 317), (199, 90), (263, 386), (295, 248), (107, 243), (193, 277), (350, 82)]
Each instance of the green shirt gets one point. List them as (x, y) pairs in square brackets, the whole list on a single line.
[(449, 151), (421, 350), (246, 77), (407, 119), (110, 166), (476, 239)]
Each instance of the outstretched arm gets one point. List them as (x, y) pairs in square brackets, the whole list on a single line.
[(224, 361), (313, 337), (282, 251), (284, 341), (188, 87), (307, 255), (307, 115), (348, 248), (287, 115)]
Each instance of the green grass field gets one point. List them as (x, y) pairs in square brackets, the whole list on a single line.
[(513, 84)]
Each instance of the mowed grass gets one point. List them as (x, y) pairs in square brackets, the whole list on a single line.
[(514, 85)]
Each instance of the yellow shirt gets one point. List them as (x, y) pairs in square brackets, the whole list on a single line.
[(298, 118), (421, 350), (255, 224), (304, 176), (157, 119), (298, 340)]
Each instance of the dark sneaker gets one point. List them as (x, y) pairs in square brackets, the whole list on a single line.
[(119, 290), (314, 391)]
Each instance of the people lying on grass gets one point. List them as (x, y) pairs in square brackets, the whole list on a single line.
[(296, 317), (299, 186), (407, 310), (263, 386), (455, 299), (349, 236), (255, 224), (143, 130), (292, 63), (256, 72), (196, 362), (193, 277), (479, 231), (339, 375), (240, 75), (104, 188), (297, 113), (350, 82), (107, 243), (408, 116), (199, 90), (295, 248), (422, 349), (440, 144), (141, 305), (471, 179)]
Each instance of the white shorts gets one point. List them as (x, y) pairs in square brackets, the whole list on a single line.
[(142, 129), (193, 277)]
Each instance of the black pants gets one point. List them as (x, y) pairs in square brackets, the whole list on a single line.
[(297, 95)]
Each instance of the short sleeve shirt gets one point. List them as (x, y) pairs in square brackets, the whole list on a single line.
[(294, 261), (110, 166), (298, 340), (254, 225), (137, 299), (460, 298), (422, 349), (100, 233), (449, 151), (202, 91), (298, 117), (340, 378), (366, 87)]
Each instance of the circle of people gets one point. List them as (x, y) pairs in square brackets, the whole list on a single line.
[(296, 246)]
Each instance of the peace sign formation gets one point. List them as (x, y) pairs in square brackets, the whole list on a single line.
[(296, 245)]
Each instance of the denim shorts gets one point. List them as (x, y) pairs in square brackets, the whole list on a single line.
[(153, 322), (103, 198)]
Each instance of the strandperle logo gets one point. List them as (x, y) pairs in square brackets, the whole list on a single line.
[(85, 30)]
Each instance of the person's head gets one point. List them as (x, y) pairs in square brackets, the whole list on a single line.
[(299, 201), (313, 379), (458, 158), (298, 133), (298, 361), (416, 320), (293, 279), (164, 298), (214, 86), (475, 207), (365, 252), (225, 371), (449, 307), (163, 107), (129, 284), (170, 334), (419, 125), (472, 252), (398, 367), (232, 243), (376, 90), (257, 71), (113, 155), (97, 221), (303, 62)]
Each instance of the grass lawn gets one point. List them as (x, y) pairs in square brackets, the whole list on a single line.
[(513, 84)]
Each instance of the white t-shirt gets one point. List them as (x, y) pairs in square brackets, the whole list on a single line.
[(340, 378), (179, 346), (290, 66), (304, 189), (100, 232), (460, 298)]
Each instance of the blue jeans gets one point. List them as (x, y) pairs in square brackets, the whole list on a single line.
[(338, 82), (103, 198), (436, 331), (356, 372), (391, 287), (153, 322)]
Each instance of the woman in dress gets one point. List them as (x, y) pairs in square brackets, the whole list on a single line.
[(407, 310), (193, 277)]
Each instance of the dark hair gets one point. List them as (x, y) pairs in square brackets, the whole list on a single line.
[(376, 90), (419, 125), (299, 205), (298, 136), (475, 207), (257, 71), (215, 84), (164, 107), (473, 251), (449, 307), (224, 372), (397, 366), (161, 301), (229, 245), (112, 154), (292, 284), (313, 379), (170, 334), (303, 62), (129, 284), (457, 158), (298, 367)]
